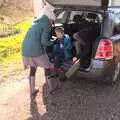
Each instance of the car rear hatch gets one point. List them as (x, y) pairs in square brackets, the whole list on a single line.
[(93, 5)]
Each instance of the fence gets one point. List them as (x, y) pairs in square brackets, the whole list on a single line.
[(7, 30), (9, 44)]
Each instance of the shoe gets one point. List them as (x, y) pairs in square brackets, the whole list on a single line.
[(57, 69), (63, 79), (62, 76)]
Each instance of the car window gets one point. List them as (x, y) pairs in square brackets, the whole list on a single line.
[(74, 13), (116, 29), (117, 23), (115, 13), (84, 16), (61, 16)]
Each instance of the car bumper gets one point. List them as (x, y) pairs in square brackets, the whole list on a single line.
[(98, 69)]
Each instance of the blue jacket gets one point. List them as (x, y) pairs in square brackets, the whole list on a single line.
[(37, 38), (66, 51)]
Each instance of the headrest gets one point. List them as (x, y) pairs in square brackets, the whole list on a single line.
[(91, 16), (77, 18)]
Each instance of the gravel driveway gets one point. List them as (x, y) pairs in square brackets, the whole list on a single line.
[(84, 100), (76, 100)]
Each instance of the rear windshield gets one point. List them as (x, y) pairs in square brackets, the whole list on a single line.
[(68, 16), (61, 16)]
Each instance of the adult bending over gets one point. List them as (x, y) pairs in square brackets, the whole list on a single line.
[(34, 46)]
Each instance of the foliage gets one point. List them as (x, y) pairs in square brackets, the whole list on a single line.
[(10, 47), (12, 44), (7, 30)]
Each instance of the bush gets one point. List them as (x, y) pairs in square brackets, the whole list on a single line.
[(10, 42)]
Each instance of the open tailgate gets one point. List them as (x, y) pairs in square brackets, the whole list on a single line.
[(98, 4)]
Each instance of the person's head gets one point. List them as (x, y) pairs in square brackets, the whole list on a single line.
[(59, 32), (49, 12)]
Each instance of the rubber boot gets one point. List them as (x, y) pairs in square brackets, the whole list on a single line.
[(33, 90), (52, 84)]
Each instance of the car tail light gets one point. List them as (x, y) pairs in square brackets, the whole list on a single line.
[(105, 50)]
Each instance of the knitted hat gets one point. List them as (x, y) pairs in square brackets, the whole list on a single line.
[(48, 10)]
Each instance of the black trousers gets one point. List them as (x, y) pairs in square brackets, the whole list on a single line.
[(58, 60)]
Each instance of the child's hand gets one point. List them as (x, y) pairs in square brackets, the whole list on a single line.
[(74, 59)]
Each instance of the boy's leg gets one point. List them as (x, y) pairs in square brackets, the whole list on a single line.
[(64, 75), (57, 61), (77, 37), (78, 48), (73, 69)]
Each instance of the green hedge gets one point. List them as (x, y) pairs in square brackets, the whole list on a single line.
[(12, 43), (7, 30)]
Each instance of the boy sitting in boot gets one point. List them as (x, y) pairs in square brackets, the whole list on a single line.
[(62, 48)]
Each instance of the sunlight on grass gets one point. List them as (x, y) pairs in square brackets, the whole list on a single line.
[(10, 64), (10, 49), (7, 30), (12, 44)]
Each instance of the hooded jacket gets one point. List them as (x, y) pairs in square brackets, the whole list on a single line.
[(37, 38)]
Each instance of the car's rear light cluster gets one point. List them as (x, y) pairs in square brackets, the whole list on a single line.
[(105, 50)]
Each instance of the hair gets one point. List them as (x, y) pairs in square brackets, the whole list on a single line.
[(59, 29)]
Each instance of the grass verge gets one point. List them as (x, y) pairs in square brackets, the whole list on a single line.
[(10, 50)]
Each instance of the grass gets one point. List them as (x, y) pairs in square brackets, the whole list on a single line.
[(10, 65), (10, 49), (12, 44)]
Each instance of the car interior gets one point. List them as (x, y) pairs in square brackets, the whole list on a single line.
[(88, 24)]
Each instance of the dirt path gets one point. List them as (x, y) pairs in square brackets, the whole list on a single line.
[(78, 99), (14, 99)]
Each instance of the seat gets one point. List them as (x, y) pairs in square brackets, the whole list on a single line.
[(76, 23), (77, 18), (92, 16), (73, 27)]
